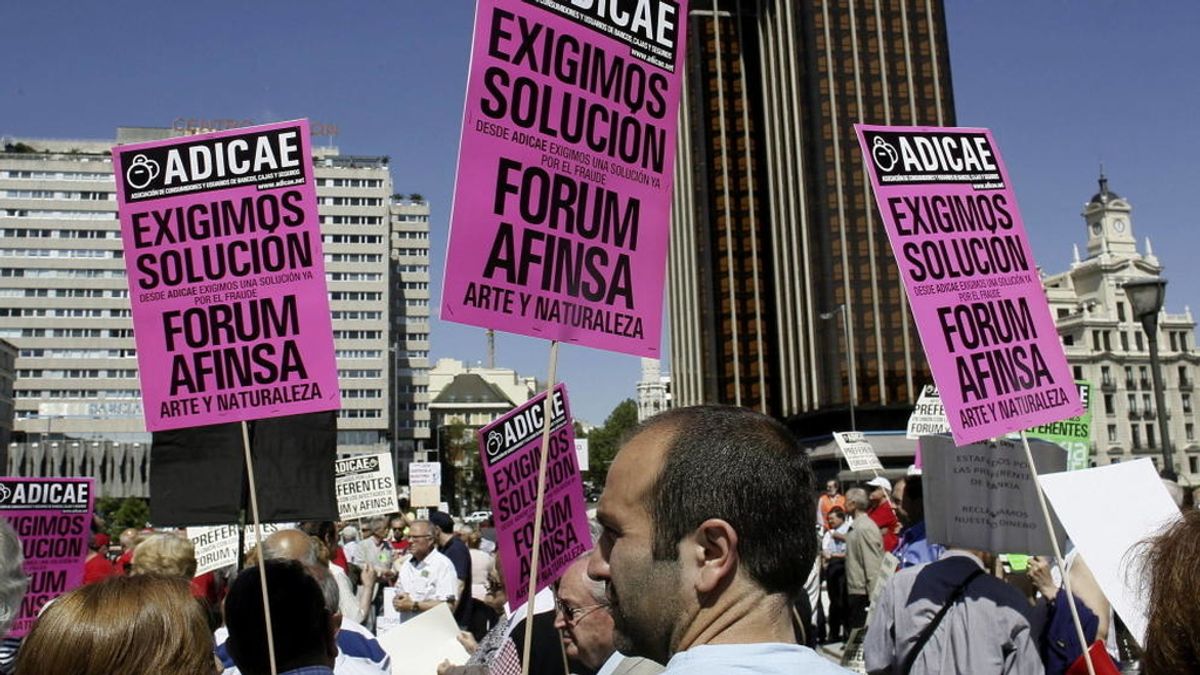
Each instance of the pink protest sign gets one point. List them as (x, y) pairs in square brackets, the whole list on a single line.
[(226, 276), (563, 197), (951, 216), (53, 519), (510, 449)]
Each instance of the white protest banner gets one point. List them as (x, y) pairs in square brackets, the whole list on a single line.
[(425, 482), (983, 496), (365, 486), (217, 546), (581, 453), (1107, 530), (860, 456), (424, 473), (418, 645), (389, 618), (929, 415)]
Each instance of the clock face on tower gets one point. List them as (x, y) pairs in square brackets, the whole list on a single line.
[(1119, 226)]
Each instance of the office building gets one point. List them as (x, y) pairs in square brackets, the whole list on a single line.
[(1106, 344), (408, 309), (774, 223), (64, 302)]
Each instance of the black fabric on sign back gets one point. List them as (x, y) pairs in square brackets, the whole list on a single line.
[(196, 474)]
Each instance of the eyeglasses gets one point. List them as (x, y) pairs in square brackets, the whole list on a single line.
[(414, 537), (574, 615)]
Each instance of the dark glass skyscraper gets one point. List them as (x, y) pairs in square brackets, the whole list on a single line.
[(774, 223)]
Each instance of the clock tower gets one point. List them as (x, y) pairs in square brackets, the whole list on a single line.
[(1110, 227)]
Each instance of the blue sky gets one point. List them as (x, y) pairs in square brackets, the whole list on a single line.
[(1063, 84)]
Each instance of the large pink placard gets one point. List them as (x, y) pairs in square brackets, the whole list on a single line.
[(951, 216), (510, 450), (53, 520), (226, 276), (563, 196)]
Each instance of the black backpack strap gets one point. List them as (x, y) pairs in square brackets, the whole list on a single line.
[(911, 658)]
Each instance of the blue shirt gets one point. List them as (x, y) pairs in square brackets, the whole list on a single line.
[(763, 658), (915, 549)]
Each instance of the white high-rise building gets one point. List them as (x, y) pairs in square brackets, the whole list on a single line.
[(64, 302), (653, 390), (1106, 345)]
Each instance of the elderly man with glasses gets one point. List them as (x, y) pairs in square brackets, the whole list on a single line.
[(427, 578), (587, 627)]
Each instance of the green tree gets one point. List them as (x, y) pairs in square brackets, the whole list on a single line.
[(604, 441), (121, 514)]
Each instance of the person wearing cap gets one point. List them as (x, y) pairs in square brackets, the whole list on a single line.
[(456, 550), (882, 512)]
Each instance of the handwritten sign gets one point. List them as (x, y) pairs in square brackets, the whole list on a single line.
[(563, 195), (947, 203), (226, 276), (510, 449), (53, 518), (859, 454), (365, 486), (983, 496)]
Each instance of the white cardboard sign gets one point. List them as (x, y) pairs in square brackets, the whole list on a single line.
[(1107, 531), (929, 415), (860, 456)]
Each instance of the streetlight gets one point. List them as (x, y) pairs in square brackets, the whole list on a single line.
[(853, 385), (1146, 298)]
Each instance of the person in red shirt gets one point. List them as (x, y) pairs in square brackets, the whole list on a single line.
[(883, 513), (97, 567)]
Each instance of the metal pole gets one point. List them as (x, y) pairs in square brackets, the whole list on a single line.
[(850, 366), (1150, 325)]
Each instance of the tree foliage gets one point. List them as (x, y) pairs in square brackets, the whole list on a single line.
[(604, 441), (121, 514)]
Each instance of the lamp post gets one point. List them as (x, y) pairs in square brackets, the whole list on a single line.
[(1146, 297), (853, 385)]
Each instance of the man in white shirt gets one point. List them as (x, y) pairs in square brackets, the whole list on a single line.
[(427, 578), (700, 553)]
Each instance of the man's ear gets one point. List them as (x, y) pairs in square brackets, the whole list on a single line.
[(715, 552)]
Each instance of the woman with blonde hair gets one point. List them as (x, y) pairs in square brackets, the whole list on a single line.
[(121, 626), (166, 554)]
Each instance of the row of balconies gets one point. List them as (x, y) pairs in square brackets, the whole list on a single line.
[(1109, 383)]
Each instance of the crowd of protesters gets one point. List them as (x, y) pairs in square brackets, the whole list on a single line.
[(692, 570)]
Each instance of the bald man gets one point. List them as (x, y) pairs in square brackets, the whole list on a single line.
[(587, 627)]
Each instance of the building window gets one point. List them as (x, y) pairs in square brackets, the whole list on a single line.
[(1120, 311), (1144, 376), (1096, 341), (1138, 340), (1171, 337), (1186, 399), (1150, 436), (1106, 376), (1124, 341), (1078, 370), (1131, 399), (1193, 464), (1112, 433), (1136, 433), (1068, 340), (1109, 407), (1108, 341), (1129, 383), (1189, 431)]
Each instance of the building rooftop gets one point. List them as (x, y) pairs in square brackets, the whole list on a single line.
[(471, 388)]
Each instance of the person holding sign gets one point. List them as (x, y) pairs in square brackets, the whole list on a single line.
[(705, 584)]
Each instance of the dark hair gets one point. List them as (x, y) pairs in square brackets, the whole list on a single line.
[(838, 511), (746, 469), (1173, 620), (299, 619), (913, 489)]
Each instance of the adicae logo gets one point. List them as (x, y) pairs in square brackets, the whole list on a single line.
[(5, 493), (141, 172), (884, 154), (494, 441)]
